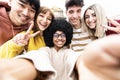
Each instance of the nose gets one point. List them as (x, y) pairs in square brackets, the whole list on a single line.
[(75, 15), (26, 12), (59, 37), (90, 18), (45, 19)]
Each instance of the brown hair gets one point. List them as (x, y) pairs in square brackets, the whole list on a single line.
[(43, 10)]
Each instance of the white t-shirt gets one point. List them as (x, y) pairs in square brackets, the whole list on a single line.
[(61, 63)]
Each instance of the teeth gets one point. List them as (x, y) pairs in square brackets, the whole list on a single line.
[(60, 42)]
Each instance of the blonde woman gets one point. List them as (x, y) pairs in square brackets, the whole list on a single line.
[(93, 19)]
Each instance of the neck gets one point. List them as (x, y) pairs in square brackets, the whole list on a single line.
[(77, 26)]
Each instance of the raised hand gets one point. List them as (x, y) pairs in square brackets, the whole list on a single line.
[(115, 23), (23, 38)]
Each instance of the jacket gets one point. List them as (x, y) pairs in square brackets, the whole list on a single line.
[(11, 49), (7, 29)]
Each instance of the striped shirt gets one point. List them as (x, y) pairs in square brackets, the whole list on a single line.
[(80, 40)]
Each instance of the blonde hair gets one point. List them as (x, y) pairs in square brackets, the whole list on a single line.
[(101, 20)]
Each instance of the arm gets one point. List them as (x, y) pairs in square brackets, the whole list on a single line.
[(10, 49), (115, 23), (101, 59), (19, 69), (17, 44), (105, 51)]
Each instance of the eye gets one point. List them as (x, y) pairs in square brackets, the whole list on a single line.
[(71, 11), (41, 15), (50, 19), (86, 16), (94, 14), (21, 5), (79, 11), (63, 35), (32, 10), (56, 35)]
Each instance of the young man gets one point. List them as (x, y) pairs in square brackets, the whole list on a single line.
[(80, 36), (15, 16)]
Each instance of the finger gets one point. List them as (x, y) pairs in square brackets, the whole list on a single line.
[(109, 28), (22, 42), (30, 28), (34, 34), (114, 22)]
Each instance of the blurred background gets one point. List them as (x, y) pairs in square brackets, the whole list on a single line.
[(112, 7)]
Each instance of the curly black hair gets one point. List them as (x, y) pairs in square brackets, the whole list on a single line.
[(61, 25)]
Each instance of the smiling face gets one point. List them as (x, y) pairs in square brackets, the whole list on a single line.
[(59, 39), (90, 18), (74, 15), (21, 12), (44, 20)]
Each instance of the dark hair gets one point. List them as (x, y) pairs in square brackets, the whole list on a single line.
[(70, 3), (61, 25), (35, 3)]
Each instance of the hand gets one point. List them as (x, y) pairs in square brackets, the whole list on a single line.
[(22, 39), (115, 23)]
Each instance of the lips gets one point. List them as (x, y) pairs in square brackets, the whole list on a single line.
[(42, 27)]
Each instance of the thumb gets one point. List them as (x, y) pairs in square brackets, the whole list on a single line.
[(34, 34)]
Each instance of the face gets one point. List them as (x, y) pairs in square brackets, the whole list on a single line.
[(44, 20), (21, 13), (59, 39), (74, 15), (90, 18)]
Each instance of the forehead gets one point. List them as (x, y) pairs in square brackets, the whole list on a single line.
[(47, 13), (59, 32), (89, 11)]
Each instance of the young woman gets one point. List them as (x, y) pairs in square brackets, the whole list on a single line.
[(30, 40), (93, 19), (96, 22)]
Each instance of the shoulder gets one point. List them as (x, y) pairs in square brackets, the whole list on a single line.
[(5, 4)]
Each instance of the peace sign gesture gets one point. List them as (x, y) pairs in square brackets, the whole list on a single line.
[(116, 28), (23, 38)]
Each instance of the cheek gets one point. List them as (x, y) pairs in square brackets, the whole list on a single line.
[(48, 23), (37, 21), (86, 22), (54, 40), (32, 15)]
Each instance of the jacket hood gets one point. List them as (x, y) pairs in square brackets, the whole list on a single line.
[(5, 4)]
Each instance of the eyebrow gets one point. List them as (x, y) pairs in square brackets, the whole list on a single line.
[(24, 1)]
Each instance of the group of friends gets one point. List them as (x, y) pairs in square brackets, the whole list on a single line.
[(34, 45)]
